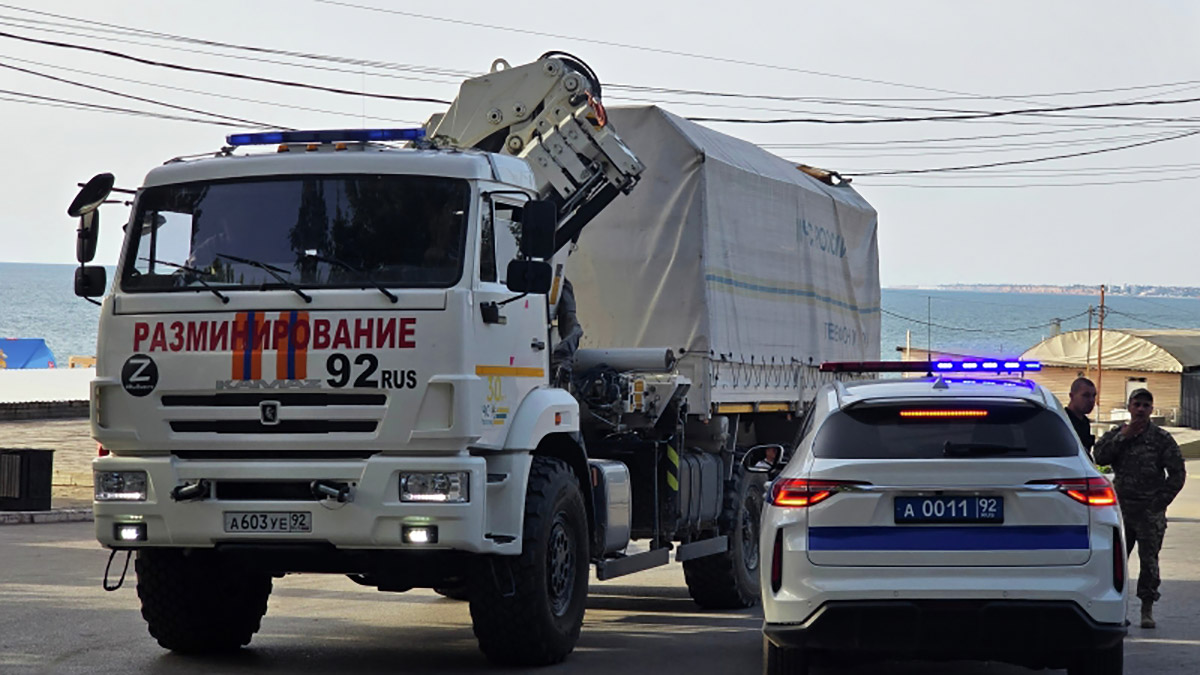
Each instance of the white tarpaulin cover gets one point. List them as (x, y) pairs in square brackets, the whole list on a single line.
[(724, 250), (1163, 351)]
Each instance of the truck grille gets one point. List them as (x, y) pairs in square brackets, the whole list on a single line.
[(252, 399), (239, 412), (284, 427)]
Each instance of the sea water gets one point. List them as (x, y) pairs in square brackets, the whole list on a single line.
[(39, 301)]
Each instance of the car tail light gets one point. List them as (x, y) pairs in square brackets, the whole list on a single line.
[(942, 414), (101, 451), (799, 492), (1094, 491), (777, 563), (1118, 560)]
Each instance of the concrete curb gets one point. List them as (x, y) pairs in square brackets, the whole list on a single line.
[(75, 515), (44, 410)]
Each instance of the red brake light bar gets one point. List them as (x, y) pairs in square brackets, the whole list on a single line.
[(943, 413), (1095, 491), (801, 493)]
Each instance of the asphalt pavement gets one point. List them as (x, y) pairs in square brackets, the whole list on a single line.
[(55, 618)]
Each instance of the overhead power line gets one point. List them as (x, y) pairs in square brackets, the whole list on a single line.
[(1135, 317), (965, 329), (1013, 162), (958, 117), (198, 92), (1001, 186), (643, 48), (140, 98), (222, 73), (96, 107)]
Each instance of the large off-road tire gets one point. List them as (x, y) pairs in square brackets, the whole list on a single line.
[(194, 604), (527, 610), (452, 592), (730, 580), (783, 660), (1109, 661)]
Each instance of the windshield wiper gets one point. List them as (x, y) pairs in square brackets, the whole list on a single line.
[(200, 274), (347, 266), (274, 271), (963, 449)]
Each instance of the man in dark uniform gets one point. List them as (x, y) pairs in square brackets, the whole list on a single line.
[(1149, 473), (1082, 401)]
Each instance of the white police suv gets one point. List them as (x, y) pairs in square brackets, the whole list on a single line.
[(941, 518)]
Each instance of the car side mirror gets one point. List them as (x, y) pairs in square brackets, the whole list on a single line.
[(528, 276), (763, 459), (538, 220), (90, 281)]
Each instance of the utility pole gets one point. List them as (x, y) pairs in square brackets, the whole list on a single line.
[(1100, 350), (1091, 311)]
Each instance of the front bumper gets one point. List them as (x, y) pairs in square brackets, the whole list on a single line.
[(373, 520), (1033, 633)]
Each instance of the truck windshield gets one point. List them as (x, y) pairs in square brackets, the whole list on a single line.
[(281, 232)]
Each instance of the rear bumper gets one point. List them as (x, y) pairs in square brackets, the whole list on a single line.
[(1034, 633)]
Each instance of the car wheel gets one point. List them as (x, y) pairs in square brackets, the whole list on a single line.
[(784, 660), (1110, 661)]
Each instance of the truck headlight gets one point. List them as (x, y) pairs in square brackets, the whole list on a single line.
[(452, 487), (120, 486)]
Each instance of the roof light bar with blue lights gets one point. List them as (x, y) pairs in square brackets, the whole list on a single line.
[(967, 365), (326, 136)]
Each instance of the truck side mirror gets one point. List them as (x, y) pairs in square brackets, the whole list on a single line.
[(86, 236), (91, 195), (84, 206), (90, 281), (528, 276), (538, 220), (763, 459)]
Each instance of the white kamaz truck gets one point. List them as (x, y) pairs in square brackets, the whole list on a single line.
[(359, 352)]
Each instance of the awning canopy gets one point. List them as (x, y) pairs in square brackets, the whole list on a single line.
[(25, 353), (1160, 351)]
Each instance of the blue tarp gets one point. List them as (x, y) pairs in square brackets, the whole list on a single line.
[(25, 353)]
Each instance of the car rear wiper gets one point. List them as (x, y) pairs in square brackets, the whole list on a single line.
[(347, 266), (274, 271), (200, 274), (963, 449)]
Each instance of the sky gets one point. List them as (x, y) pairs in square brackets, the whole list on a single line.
[(1115, 216)]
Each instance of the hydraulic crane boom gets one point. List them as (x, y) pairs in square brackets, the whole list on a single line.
[(549, 113)]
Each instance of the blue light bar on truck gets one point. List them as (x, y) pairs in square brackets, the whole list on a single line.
[(325, 136), (965, 366)]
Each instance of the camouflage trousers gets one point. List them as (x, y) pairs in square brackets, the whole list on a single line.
[(1146, 530)]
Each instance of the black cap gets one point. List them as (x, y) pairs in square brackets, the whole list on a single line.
[(1141, 393)]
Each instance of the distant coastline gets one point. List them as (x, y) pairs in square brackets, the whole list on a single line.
[(1127, 290)]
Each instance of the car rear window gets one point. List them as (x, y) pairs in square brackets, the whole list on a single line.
[(931, 431)]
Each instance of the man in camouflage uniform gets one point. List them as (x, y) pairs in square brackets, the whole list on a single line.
[(1149, 473)]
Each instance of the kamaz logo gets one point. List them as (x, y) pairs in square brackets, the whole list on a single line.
[(267, 384)]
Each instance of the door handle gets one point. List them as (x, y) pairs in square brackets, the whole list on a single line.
[(537, 345)]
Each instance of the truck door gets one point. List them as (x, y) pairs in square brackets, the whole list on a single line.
[(511, 338)]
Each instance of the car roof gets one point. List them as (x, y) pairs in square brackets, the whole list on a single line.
[(938, 388)]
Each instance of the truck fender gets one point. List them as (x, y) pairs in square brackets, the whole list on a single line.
[(545, 424), (544, 411)]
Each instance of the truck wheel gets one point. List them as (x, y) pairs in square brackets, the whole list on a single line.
[(527, 610), (194, 604), (452, 592), (729, 580), (1109, 661), (783, 660)]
